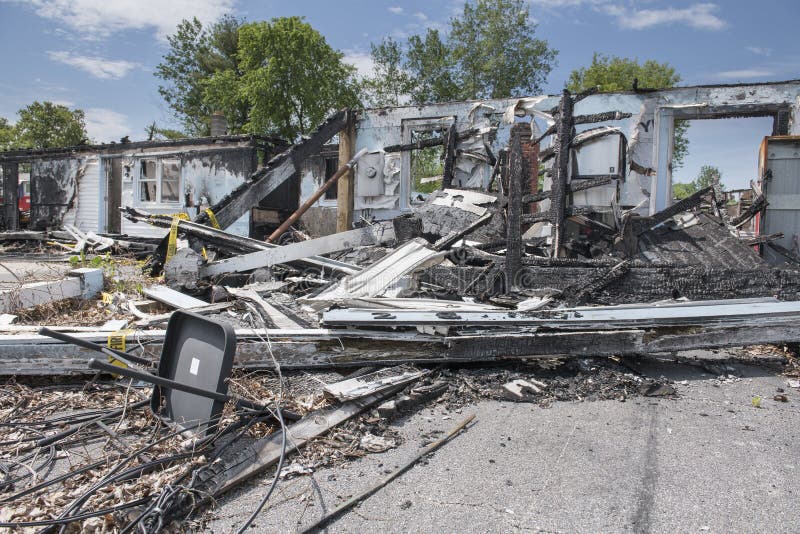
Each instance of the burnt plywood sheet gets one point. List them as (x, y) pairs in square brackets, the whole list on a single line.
[(708, 243)]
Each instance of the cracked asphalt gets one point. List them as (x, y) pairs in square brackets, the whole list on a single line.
[(707, 461)]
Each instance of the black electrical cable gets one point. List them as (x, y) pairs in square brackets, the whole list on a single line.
[(277, 473), (46, 483), (111, 476), (88, 515)]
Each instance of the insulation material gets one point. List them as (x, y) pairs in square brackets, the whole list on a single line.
[(527, 106), (375, 279)]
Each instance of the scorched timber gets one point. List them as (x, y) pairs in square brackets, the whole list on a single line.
[(342, 349), (613, 317)]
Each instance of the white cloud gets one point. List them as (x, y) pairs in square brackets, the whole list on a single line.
[(698, 16), (98, 19), (104, 69), (105, 125), (554, 4), (360, 60), (759, 50), (744, 74), (395, 9), (421, 16)]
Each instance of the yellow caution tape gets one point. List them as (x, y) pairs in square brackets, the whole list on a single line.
[(212, 218), (117, 341), (204, 253), (172, 243), (108, 298)]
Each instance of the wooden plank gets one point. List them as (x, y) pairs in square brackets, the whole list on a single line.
[(278, 318), (371, 235), (345, 192), (326, 351), (241, 463), (173, 298)]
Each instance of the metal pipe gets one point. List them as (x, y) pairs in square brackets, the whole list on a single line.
[(316, 196), (156, 380)]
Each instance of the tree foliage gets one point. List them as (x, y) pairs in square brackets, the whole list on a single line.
[(611, 73), (44, 125), (196, 53), (7, 135), (490, 51), (429, 65), (270, 78), (709, 175), (496, 52), (681, 190), (292, 78), (155, 132), (390, 83)]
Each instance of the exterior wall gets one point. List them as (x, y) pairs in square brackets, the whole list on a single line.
[(207, 175), (648, 131), (72, 190)]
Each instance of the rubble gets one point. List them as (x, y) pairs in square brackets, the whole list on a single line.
[(497, 285)]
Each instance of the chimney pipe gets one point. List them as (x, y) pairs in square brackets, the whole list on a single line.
[(219, 126)]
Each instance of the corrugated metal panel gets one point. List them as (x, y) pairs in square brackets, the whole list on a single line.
[(783, 213)]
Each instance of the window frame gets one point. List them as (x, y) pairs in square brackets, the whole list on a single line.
[(158, 180)]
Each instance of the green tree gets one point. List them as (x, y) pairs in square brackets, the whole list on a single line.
[(429, 64), (496, 52), (154, 132), (45, 125), (195, 54), (291, 78), (389, 84), (681, 190), (611, 73), (7, 135), (709, 175), (490, 51)]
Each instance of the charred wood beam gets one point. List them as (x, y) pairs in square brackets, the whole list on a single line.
[(516, 183), (761, 239), (578, 184), (580, 294), (686, 204), (785, 252), (449, 156), (427, 143), (558, 195), (757, 206), (62, 359), (278, 170), (262, 182), (601, 117), (529, 218), (10, 188)]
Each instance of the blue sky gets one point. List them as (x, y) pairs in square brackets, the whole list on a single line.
[(99, 55)]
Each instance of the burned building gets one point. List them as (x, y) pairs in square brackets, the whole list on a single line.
[(85, 186)]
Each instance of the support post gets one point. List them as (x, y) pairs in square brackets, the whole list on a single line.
[(10, 214), (346, 186), (558, 198), (517, 177)]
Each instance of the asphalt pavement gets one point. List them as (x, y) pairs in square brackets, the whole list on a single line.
[(706, 461)]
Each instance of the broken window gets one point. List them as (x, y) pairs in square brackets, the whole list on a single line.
[(331, 166), (170, 180), (159, 180), (426, 163)]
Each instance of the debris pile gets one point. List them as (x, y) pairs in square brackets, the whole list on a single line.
[(491, 287)]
